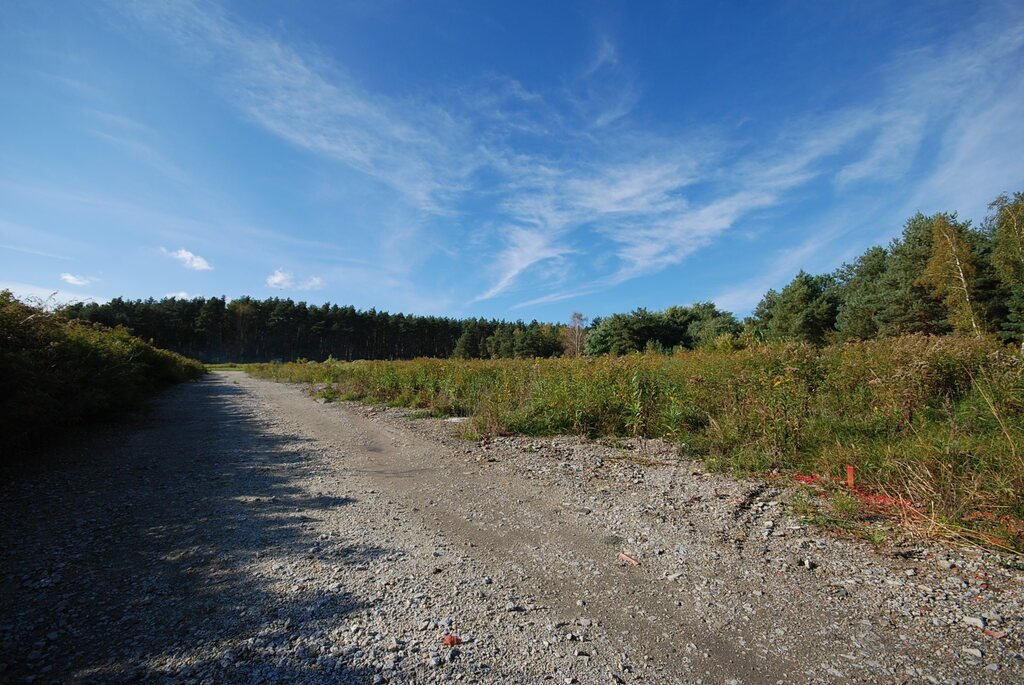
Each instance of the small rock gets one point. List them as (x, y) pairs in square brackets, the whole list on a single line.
[(973, 651), (976, 621)]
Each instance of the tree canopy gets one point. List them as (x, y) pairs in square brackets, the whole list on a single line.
[(939, 276)]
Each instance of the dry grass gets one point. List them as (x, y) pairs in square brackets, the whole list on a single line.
[(933, 421)]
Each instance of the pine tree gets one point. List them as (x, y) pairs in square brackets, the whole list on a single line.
[(1007, 228), (861, 296), (465, 346), (907, 305), (1013, 327), (805, 310)]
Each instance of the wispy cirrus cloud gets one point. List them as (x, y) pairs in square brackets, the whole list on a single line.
[(963, 94), (33, 251), (316, 105), (524, 249), (551, 174), (188, 259)]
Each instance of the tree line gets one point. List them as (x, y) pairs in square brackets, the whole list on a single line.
[(250, 330), (940, 276)]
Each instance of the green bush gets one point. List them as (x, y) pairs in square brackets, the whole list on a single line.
[(57, 372), (938, 419)]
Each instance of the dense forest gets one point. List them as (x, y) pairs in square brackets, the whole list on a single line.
[(249, 330), (940, 276)]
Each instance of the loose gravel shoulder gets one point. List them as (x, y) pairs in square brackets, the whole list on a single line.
[(240, 532)]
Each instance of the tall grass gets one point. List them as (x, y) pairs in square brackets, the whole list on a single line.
[(940, 420), (55, 372)]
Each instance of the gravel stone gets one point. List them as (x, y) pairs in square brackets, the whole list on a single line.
[(240, 532)]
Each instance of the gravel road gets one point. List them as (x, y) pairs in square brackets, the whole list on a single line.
[(240, 532)]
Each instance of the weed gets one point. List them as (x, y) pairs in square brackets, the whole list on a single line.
[(58, 372), (935, 421)]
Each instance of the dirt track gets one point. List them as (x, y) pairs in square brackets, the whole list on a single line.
[(241, 532)]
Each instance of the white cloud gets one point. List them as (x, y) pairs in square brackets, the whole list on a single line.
[(283, 280), (188, 259), (179, 295), (72, 279), (280, 279), (588, 174), (312, 283)]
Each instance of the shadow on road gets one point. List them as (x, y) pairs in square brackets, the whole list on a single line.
[(143, 552)]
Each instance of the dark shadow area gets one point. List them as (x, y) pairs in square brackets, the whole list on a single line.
[(133, 556)]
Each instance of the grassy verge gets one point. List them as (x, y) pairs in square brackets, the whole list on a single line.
[(57, 373), (933, 424)]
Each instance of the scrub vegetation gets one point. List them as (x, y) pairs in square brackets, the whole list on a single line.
[(935, 421), (57, 372), (905, 364)]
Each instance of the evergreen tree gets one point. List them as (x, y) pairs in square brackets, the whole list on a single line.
[(860, 295), (538, 340), (467, 346), (1007, 230), (1013, 327), (756, 325), (908, 306), (805, 310), (709, 324), (502, 343), (991, 295)]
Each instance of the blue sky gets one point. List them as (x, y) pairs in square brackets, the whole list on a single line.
[(513, 160)]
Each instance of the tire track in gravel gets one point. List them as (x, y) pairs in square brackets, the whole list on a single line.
[(239, 532), (519, 531)]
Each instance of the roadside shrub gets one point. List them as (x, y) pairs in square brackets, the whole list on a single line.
[(938, 419), (57, 372)]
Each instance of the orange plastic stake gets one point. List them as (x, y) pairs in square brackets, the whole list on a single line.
[(849, 477)]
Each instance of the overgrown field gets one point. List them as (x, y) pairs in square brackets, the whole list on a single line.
[(936, 420), (55, 373)]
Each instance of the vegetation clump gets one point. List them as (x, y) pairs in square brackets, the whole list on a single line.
[(937, 420), (58, 372)]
